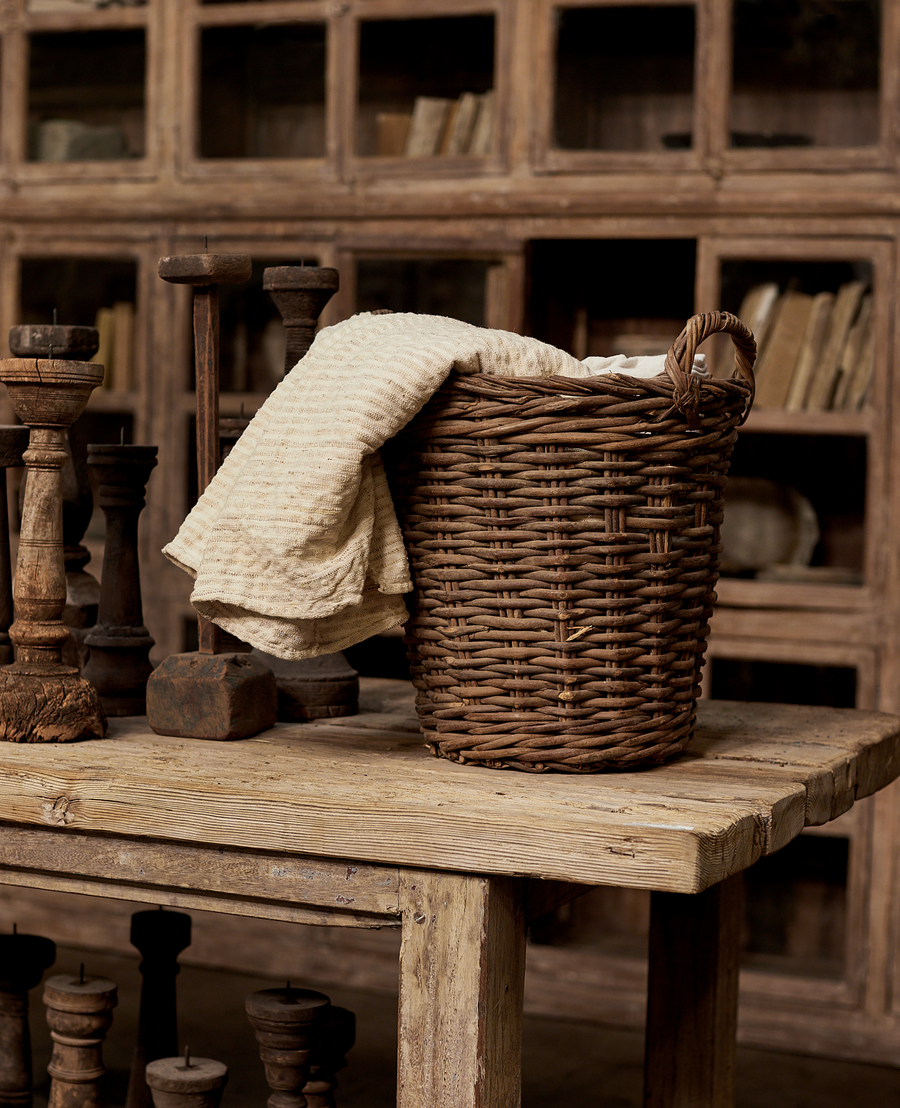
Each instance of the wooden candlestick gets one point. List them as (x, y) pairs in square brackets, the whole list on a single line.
[(42, 700), (186, 1082), (82, 587), (23, 959), (300, 293), (209, 694), (79, 1013), (160, 936), (326, 685), (287, 1023), (118, 662), (329, 1056), (13, 442), (70, 343)]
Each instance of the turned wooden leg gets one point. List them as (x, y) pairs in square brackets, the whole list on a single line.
[(693, 997), (462, 972)]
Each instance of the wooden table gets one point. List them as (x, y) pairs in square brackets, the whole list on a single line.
[(352, 822)]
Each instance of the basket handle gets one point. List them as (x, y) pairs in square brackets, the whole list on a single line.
[(680, 358)]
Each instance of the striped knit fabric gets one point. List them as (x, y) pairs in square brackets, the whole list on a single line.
[(294, 546)]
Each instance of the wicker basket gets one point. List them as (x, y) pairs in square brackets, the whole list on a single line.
[(564, 538)]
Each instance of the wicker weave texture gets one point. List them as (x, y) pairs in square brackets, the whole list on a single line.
[(564, 540)]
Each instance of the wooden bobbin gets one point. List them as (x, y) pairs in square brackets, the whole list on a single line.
[(42, 700), (329, 1057), (186, 1082), (300, 293), (209, 694), (23, 959), (13, 443), (287, 1024), (79, 1013), (160, 936), (327, 685), (118, 663)]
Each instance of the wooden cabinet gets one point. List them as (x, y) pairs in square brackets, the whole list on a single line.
[(591, 171)]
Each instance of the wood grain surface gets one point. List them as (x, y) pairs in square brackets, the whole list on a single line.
[(364, 788)]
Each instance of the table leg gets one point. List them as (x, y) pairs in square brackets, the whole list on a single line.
[(462, 972), (692, 997)]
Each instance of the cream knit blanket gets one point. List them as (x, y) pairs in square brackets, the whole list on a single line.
[(294, 546)]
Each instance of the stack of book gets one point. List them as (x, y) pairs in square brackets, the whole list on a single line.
[(816, 352), (439, 127)]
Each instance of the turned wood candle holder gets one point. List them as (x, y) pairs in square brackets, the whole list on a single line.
[(287, 1023), (160, 936), (23, 960), (79, 1013), (69, 343), (326, 685), (42, 700), (186, 1082), (118, 662), (337, 1034), (13, 443), (209, 694), (300, 293)]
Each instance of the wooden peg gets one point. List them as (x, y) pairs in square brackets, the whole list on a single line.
[(79, 1013), (42, 700), (287, 1023), (13, 443), (209, 694), (23, 959), (118, 662), (186, 1082), (160, 937)]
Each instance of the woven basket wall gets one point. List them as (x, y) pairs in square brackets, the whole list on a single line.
[(564, 540)]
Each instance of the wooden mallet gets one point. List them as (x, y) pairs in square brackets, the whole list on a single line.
[(208, 694)]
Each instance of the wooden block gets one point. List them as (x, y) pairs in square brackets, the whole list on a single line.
[(206, 269), (211, 696)]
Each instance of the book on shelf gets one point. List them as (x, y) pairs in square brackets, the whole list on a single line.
[(852, 352), (426, 128), (460, 125), (826, 379), (757, 309), (859, 355), (115, 352), (103, 321), (781, 350), (483, 131), (392, 130), (810, 351)]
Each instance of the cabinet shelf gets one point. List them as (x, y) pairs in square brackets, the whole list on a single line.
[(616, 197)]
